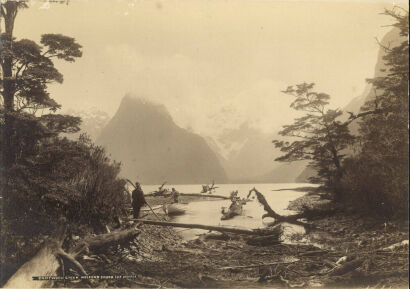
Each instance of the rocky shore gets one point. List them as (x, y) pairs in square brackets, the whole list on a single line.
[(339, 251)]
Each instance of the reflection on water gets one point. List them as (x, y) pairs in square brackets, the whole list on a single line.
[(209, 212)]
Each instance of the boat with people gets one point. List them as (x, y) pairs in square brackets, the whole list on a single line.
[(175, 209), (236, 207)]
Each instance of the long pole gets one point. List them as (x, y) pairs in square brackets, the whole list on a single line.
[(152, 210)]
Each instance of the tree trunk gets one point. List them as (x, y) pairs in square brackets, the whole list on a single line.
[(256, 265), (266, 240), (347, 267), (46, 262), (205, 196), (10, 10), (102, 241), (206, 227), (193, 195), (279, 218)]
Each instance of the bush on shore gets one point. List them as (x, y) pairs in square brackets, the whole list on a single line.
[(71, 179)]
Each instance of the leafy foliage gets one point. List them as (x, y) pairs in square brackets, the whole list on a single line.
[(74, 179), (46, 176), (67, 178), (60, 46), (378, 176), (321, 137), (27, 69), (33, 69), (375, 178)]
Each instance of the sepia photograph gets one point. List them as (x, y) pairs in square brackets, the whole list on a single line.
[(204, 144)]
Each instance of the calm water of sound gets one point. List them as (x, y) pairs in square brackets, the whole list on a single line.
[(209, 212)]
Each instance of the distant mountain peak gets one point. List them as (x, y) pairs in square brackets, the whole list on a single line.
[(143, 106), (153, 149)]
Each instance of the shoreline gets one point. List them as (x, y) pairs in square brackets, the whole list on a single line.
[(160, 257)]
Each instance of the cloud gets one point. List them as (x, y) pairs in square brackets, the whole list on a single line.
[(214, 64)]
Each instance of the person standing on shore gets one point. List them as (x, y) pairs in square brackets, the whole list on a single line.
[(138, 200)]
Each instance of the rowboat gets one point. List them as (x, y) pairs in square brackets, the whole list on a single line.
[(175, 209), (169, 209), (153, 208)]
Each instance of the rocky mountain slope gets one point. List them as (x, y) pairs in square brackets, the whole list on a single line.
[(153, 149), (248, 156)]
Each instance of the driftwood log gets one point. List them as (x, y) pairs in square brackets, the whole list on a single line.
[(45, 263), (165, 193), (256, 265), (259, 232), (266, 240), (51, 257), (293, 219), (98, 242), (208, 188), (205, 196), (191, 195), (346, 267)]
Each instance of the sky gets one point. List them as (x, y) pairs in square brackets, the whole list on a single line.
[(213, 64)]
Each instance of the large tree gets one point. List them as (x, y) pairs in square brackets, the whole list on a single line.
[(27, 69), (320, 136), (45, 175), (378, 175)]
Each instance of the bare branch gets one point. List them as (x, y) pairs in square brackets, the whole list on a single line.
[(386, 48)]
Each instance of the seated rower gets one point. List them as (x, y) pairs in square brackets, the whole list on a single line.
[(175, 195)]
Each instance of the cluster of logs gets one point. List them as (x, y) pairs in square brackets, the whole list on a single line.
[(51, 255)]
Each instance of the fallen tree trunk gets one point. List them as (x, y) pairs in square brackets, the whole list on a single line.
[(44, 263), (51, 256), (278, 218), (205, 196), (268, 240), (346, 267), (395, 246), (256, 265), (191, 195), (206, 227), (100, 242)]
